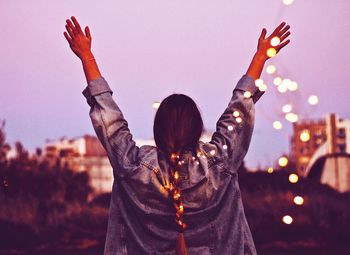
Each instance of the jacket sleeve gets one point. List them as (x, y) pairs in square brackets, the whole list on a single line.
[(235, 126), (111, 127)]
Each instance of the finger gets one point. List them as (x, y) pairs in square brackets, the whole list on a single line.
[(283, 37), (67, 37), (279, 47), (77, 25), (263, 34), (87, 32), (277, 29), (72, 27), (70, 32), (284, 30)]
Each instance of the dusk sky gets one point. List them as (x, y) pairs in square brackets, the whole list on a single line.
[(149, 49)]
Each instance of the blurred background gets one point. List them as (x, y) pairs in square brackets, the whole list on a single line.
[(55, 178)]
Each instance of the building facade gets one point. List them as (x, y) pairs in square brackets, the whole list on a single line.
[(321, 149)]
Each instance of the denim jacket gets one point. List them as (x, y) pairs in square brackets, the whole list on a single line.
[(141, 218)]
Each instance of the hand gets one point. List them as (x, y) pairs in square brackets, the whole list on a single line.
[(79, 42), (264, 44)]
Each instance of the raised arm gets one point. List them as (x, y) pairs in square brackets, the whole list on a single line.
[(80, 44), (235, 127), (107, 119), (264, 44)]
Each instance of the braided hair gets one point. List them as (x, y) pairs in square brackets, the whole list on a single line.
[(178, 126)]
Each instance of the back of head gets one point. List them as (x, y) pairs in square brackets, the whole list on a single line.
[(178, 124)]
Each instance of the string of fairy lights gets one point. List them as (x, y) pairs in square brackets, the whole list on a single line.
[(287, 113)]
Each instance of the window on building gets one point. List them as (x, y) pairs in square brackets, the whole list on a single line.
[(341, 132), (342, 148)]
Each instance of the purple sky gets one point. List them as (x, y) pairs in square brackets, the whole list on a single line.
[(149, 49)]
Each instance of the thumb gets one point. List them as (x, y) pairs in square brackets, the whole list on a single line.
[(87, 32), (263, 34)]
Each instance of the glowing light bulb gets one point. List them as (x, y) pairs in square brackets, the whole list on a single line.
[(275, 41), (292, 86), (277, 81), (305, 135), (292, 117), (176, 175), (239, 120), (181, 208), (277, 125), (283, 161), (236, 114), (176, 196), (212, 152), (313, 100), (247, 94), (287, 219), (270, 170), (230, 128), (298, 200), (224, 147), (288, 2), (262, 87), (293, 178), (271, 69), (155, 105), (271, 52), (259, 82)]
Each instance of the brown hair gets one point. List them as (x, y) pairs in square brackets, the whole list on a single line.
[(178, 126)]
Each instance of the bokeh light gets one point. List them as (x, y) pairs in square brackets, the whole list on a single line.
[(271, 69), (298, 200), (288, 2), (259, 82), (305, 135), (263, 87), (277, 125), (247, 94), (293, 178), (271, 52), (282, 88), (287, 108), (275, 41), (292, 117), (287, 219), (270, 170), (155, 105), (283, 161), (292, 86), (277, 81), (313, 100), (236, 114)]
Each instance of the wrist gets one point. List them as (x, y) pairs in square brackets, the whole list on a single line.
[(87, 57), (261, 57)]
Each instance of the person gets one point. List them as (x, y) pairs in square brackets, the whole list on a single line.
[(181, 196)]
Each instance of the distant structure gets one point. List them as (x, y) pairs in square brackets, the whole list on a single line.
[(83, 154), (321, 149)]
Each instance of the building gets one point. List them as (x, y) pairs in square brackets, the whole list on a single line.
[(82, 154), (321, 149), (87, 154)]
